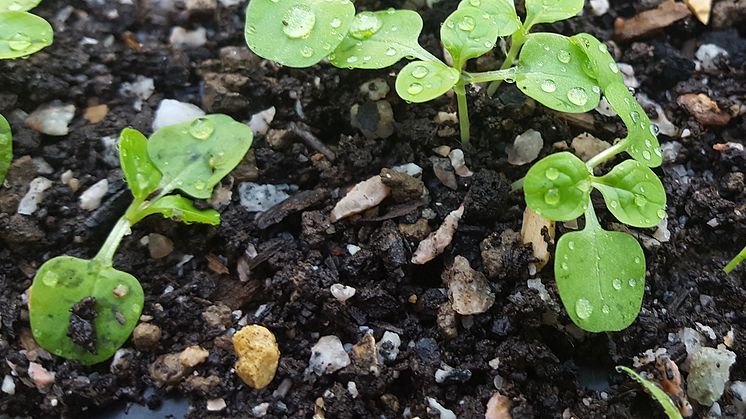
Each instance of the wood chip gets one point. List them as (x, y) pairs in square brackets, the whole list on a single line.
[(532, 233), (704, 109), (650, 21)]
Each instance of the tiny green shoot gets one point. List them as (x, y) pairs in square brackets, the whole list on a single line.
[(736, 260), (85, 309), (6, 148), (669, 407)]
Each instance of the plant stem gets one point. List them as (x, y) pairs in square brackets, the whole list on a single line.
[(472, 78), (517, 41), (606, 154), (106, 254), (517, 185), (736, 260), (591, 221), (463, 111)]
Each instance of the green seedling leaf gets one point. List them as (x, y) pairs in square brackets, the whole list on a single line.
[(633, 193), (96, 304), (740, 257), (6, 148), (380, 39), (23, 34), (502, 13), (551, 70), (297, 33), (468, 33), (420, 81), (600, 277), (141, 175), (548, 11), (18, 5), (658, 394), (195, 156), (181, 209), (641, 141), (558, 187)]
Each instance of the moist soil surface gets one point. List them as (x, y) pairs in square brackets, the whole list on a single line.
[(277, 270)]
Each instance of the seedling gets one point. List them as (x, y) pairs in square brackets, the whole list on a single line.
[(600, 274), (658, 394), (21, 34), (736, 260), (85, 309)]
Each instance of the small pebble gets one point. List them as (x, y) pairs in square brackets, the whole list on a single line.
[(34, 196), (181, 38), (258, 355), (216, 405), (342, 292), (707, 54), (375, 89), (41, 377), (159, 246), (525, 148), (587, 146), (9, 386), (193, 356), (442, 411), (388, 346), (709, 370), (260, 198), (351, 388), (90, 199), (52, 118), (327, 356), (172, 112), (260, 122), (468, 289), (146, 336), (260, 410)]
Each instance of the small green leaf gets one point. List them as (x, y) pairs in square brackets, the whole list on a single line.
[(420, 81), (558, 187), (63, 282), (297, 33), (548, 11), (600, 277), (195, 156), (502, 13), (18, 5), (379, 40), (6, 148), (468, 33), (633, 193), (642, 140), (141, 175), (181, 209), (550, 70), (23, 34), (740, 257), (658, 394), (600, 64)]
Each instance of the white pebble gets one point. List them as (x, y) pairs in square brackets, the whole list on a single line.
[(215, 405), (526, 148), (388, 346), (459, 164), (444, 413), (599, 7), (707, 53), (181, 37), (34, 196), (9, 386), (260, 410), (259, 122), (260, 198), (52, 118), (91, 198), (352, 389), (327, 356), (172, 112), (410, 169), (342, 292), (352, 249)]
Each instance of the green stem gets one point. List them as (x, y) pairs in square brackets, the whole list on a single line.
[(517, 185), (591, 221), (606, 154), (736, 260), (463, 111), (505, 74), (517, 41), (106, 254)]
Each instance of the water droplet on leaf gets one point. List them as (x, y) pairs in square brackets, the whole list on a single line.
[(19, 42), (548, 86), (583, 308), (365, 25), (552, 173), (420, 72), (201, 128), (632, 282), (617, 283), (467, 24), (306, 51), (552, 196), (577, 96), (415, 89), (563, 56), (298, 22)]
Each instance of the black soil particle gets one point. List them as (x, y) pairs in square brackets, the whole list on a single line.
[(82, 328)]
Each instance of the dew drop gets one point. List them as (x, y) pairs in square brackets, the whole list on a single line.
[(584, 185), (583, 308), (306, 51), (602, 48), (200, 186), (637, 260), (201, 128), (365, 25), (640, 200), (390, 52), (420, 72), (614, 68), (658, 151), (335, 23), (298, 22), (563, 56), (617, 284), (571, 245), (475, 3), (646, 155), (19, 42), (632, 282), (596, 89), (614, 204), (352, 59), (661, 214), (577, 96), (548, 86), (648, 143), (552, 173), (50, 279), (654, 130), (251, 30), (415, 89), (605, 309), (552, 197), (467, 24), (635, 116), (564, 265)]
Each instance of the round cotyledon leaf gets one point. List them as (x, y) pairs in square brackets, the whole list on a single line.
[(141, 175), (600, 277), (420, 81), (83, 309), (297, 33), (548, 11), (551, 70), (558, 187), (194, 156), (23, 34), (379, 40), (6, 147), (502, 13), (468, 33), (633, 193)]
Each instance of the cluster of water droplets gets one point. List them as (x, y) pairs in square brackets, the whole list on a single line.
[(576, 95)]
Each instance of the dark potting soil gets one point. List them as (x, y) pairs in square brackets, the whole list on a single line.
[(547, 367)]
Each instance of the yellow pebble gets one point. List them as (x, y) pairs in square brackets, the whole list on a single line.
[(258, 355)]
